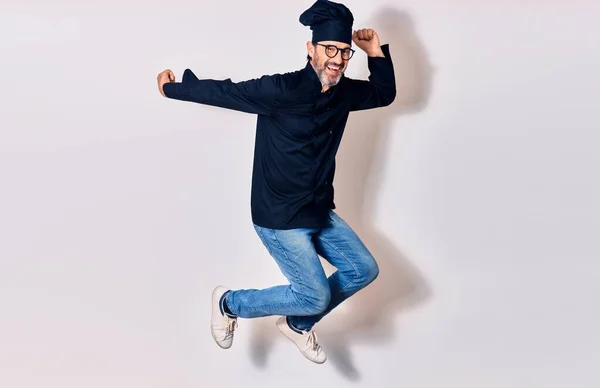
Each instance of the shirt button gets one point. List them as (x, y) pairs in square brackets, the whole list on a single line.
[(330, 132)]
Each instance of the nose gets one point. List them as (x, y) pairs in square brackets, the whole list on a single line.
[(338, 56)]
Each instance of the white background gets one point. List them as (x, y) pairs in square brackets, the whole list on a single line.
[(477, 191)]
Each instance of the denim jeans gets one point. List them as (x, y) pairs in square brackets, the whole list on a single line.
[(311, 294)]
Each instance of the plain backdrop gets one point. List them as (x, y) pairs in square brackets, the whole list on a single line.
[(477, 191)]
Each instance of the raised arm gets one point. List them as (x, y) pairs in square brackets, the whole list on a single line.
[(380, 89), (252, 96)]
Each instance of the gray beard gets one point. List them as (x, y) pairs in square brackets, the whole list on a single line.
[(325, 80)]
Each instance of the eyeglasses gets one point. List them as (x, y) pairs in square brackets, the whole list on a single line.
[(331, 51)]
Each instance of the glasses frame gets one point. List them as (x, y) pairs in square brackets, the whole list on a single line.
[(337, 50)]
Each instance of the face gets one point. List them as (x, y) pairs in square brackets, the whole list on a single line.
[(328, 69)]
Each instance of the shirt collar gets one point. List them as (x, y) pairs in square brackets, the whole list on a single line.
[(311, 77)]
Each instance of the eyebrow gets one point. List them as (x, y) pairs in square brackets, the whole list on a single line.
[(341, 48)]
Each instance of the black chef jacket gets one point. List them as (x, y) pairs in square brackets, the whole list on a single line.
[(298, 131)]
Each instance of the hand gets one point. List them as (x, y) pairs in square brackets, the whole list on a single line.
[(368, 41), (164, 77)]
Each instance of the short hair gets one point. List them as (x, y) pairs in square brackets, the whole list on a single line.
[(308, 57)]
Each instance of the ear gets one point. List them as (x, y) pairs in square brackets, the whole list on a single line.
[(310, 49)]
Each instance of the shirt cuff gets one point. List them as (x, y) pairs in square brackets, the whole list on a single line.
[(385, 48), (170, 89), (177, 89)]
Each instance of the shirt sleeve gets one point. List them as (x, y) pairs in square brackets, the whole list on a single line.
[(380, 89), (252, 96)]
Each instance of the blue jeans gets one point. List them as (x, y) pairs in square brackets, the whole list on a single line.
[(311, 294)]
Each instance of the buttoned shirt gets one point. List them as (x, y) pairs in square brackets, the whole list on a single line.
[(298, 133)]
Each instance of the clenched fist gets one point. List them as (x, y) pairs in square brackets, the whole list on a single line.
[(164, 77), (368, 41)]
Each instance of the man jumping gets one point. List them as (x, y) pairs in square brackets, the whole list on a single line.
[(301, 116)]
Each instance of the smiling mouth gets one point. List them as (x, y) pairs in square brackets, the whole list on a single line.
[(334, 68)]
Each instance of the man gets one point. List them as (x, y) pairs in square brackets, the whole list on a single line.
[(301, 117)]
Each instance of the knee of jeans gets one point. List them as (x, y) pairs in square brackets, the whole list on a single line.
[(369, 272), (318, 300)]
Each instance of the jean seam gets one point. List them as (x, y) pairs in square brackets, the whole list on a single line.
[(346, 286), (356, 271), (268, 306), (262, 237), (327, 310), (290, 262)]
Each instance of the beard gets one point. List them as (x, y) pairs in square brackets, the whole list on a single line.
[(327, 73)]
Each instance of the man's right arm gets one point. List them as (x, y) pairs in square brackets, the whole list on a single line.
[(252, 96)]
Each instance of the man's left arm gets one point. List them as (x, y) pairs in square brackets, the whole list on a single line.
[(380, 89)]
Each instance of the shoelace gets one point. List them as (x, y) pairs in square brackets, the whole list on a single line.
[(231, 326), (312, 341)]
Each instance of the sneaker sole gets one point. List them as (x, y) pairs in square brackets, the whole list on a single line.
[(212, 333), (282, 322)]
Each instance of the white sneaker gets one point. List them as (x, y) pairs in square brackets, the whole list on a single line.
[(221, 325), (306, 341)]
